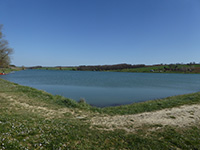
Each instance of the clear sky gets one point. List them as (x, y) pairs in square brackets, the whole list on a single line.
[(91, 32)]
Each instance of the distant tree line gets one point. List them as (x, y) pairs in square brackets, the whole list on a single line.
[(109, 67), (178, 67), (174, 67), (189, 67), (5, 51), (33, 67)]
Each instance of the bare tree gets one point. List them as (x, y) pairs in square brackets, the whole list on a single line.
[(5, 51)]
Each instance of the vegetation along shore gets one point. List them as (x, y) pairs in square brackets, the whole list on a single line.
[(34, 119), (158, 68)]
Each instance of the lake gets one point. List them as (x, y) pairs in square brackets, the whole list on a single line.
[(107, 88)]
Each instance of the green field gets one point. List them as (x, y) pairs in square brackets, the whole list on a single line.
[(33, 119), (168, 68), (179, 68)]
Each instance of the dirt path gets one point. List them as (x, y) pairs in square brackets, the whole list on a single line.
[(180, 116)]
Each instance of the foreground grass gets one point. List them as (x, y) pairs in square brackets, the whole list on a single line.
[(32, 119)]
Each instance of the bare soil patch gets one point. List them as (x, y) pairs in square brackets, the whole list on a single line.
[(180, 116)]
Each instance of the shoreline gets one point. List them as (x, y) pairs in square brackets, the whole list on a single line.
[(157, 68), (118, 71), (115, 104), (34, 119), (161, 102)]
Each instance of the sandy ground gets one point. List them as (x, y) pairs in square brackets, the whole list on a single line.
[(181, 116)]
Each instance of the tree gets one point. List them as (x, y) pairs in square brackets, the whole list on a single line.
[(5, 51)]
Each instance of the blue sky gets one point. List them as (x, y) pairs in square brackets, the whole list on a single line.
[(91, 32)]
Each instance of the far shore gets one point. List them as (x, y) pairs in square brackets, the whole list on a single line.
[(140, 68), (189, 68)]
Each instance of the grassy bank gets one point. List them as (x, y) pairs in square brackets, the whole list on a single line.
[(33, 119), (153, 105), (8, 70)]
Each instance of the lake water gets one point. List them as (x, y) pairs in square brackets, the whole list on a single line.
[(107, 88)]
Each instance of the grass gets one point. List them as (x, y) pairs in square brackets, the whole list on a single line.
[(161, 68), (25, 124), (153, 105), (8, 70), (181, 68)]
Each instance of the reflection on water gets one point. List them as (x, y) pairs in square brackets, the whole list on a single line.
[(108, 88)]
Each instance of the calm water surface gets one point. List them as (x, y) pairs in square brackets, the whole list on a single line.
[(107, 88)]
